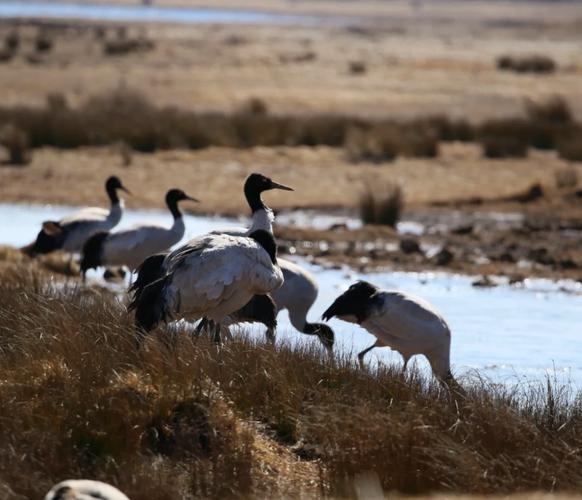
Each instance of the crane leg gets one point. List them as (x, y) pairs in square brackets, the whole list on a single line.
[(203, 325), (216, 335), (365, 351), (270, 335)]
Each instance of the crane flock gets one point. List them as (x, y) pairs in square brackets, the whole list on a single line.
[(234, 275), (229, 276)]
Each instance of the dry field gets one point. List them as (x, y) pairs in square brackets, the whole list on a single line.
[(435, 59), (180, 418)]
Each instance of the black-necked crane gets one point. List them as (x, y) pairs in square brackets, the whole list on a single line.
[(406, 324), (84, 489), (211, 276), (71, 233), (131, 247), (299, 290)]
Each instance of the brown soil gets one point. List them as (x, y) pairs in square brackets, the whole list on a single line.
[(322, 177)]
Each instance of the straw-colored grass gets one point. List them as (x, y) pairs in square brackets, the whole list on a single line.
[(180, 418)]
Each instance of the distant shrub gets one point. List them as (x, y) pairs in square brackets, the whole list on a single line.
[(254, 106), (566, 177), (357, 67), (302, 57), (383, 142), (43, 43), (570, 146), (503, 147), (56, 101), (554, 110), (12, 41), (100, 32), (124, 46), (382, 205), (377, 145), (448, 129), (16, 143), (526, 64), (6, 55)]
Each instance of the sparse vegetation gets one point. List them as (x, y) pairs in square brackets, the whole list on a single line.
[(357, 67), (123, 115), (16, 143), (546, 124), (534, 63), (381, 204), (566, 178), (570, 145), (43, 43), (182, 419)]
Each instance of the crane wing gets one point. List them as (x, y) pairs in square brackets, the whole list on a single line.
[(86, 214), (212, 269)]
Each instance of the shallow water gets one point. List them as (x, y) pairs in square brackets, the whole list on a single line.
[(111, 12), (509, 334)]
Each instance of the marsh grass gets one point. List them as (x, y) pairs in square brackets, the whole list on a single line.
[(180, 418), (533, 63), (382, 204)]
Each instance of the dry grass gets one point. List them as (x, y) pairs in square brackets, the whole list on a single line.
[(15, 141), (381, 204), (181, 419), (534, 63)]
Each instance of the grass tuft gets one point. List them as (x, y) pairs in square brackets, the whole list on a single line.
[(534, 63), (382, 206), (15, 141)]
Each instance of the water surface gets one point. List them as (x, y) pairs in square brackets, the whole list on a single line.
[(143, 13), (509, 334)]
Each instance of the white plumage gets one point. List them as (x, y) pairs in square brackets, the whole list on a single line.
[(406, 324), (211, 276), (132, 246), (84, 489), (71, 232)]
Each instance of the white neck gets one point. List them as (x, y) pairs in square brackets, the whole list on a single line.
[(262, 219), (115, 212), (178, 228)]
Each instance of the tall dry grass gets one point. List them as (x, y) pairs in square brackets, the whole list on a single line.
[(181, 419)]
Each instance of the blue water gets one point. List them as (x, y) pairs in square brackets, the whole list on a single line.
[(101, 12), (508, 334)]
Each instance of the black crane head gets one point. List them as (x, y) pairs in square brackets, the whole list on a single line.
[(352, 305), (176, 195), (255, 185), (112, 184)]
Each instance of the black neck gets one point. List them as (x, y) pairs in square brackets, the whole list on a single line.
[(254, 200), (311, 328), (173, 206), (267, 241), (112, 193)]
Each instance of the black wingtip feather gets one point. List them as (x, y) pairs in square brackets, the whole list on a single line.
[(149, 306), (150, 270), (92, 255)]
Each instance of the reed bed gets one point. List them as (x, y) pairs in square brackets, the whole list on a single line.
[(179, 418)]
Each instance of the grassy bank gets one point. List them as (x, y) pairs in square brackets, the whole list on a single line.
[(181, 419)]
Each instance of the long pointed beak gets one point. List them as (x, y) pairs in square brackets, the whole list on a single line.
[(276, 185), (328, 314), (123, 188), (191, 199)]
